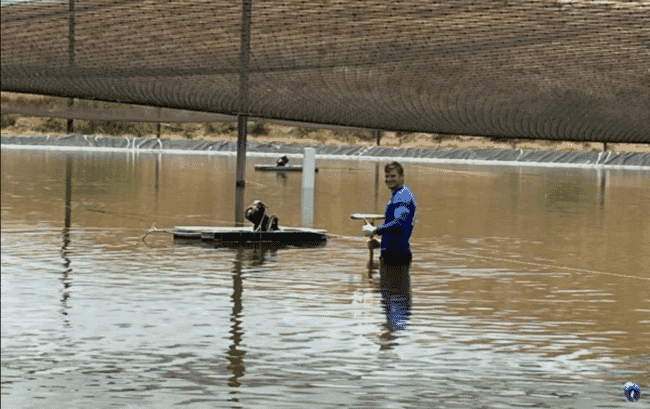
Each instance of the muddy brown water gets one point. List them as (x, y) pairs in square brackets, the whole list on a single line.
[(530, 287)]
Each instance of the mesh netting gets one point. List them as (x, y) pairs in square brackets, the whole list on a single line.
[(559, 70)]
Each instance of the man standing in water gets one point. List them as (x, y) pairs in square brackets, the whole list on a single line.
[(396, 231), (395, 259)]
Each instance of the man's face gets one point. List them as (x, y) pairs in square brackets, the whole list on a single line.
[(393, 180)]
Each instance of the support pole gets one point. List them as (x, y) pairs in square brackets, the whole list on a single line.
[(239, 205), (242, 116), (158, 125), (242, 133), (71, 53), (240, 176), (376, 185), (377, 136), (70, 128)]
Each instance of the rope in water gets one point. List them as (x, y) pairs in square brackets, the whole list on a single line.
[(542, 265), (154, 229), (357, 238)]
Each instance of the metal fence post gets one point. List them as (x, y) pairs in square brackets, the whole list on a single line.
[(242, 117), (71, 52)]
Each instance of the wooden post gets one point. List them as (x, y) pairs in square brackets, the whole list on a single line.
[(378, 136)]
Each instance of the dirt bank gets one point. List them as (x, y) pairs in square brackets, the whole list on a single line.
[(288, 134)]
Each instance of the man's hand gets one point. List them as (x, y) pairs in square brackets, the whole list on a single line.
[(368, 230)]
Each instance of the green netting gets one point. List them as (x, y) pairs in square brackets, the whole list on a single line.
[(561, 70)]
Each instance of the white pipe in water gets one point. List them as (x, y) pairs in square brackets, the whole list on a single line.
[(308, 168), (308, 176), (307, 208)]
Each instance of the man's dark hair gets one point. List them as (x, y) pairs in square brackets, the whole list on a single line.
[(394, 165)]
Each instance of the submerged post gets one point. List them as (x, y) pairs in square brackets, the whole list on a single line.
[(308, 176), (239, 206), (242, 133)]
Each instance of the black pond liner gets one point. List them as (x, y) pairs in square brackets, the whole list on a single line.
[(448, 155)]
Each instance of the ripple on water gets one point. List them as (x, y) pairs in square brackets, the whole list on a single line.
[(94, 317)]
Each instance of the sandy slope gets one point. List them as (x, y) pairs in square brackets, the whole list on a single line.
[(285, 134)]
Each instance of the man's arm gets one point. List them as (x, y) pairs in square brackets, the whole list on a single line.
[(402, 219)]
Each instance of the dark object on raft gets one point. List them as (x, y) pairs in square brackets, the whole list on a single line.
[(256, 214), (283, 161), (265, 230), (286, 168), (281, 166)]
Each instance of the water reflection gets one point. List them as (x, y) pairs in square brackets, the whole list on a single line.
[(395, 288), (536, 292), (67, 269), (281, 176), (235, 354), (258, 254)]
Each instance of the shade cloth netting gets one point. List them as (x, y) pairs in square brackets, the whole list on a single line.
[(538, 69)]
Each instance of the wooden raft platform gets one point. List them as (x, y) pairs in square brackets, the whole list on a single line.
[(296, 236), (285, 168)]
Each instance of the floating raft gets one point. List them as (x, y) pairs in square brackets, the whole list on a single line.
[(296, 236), (285, 168)]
